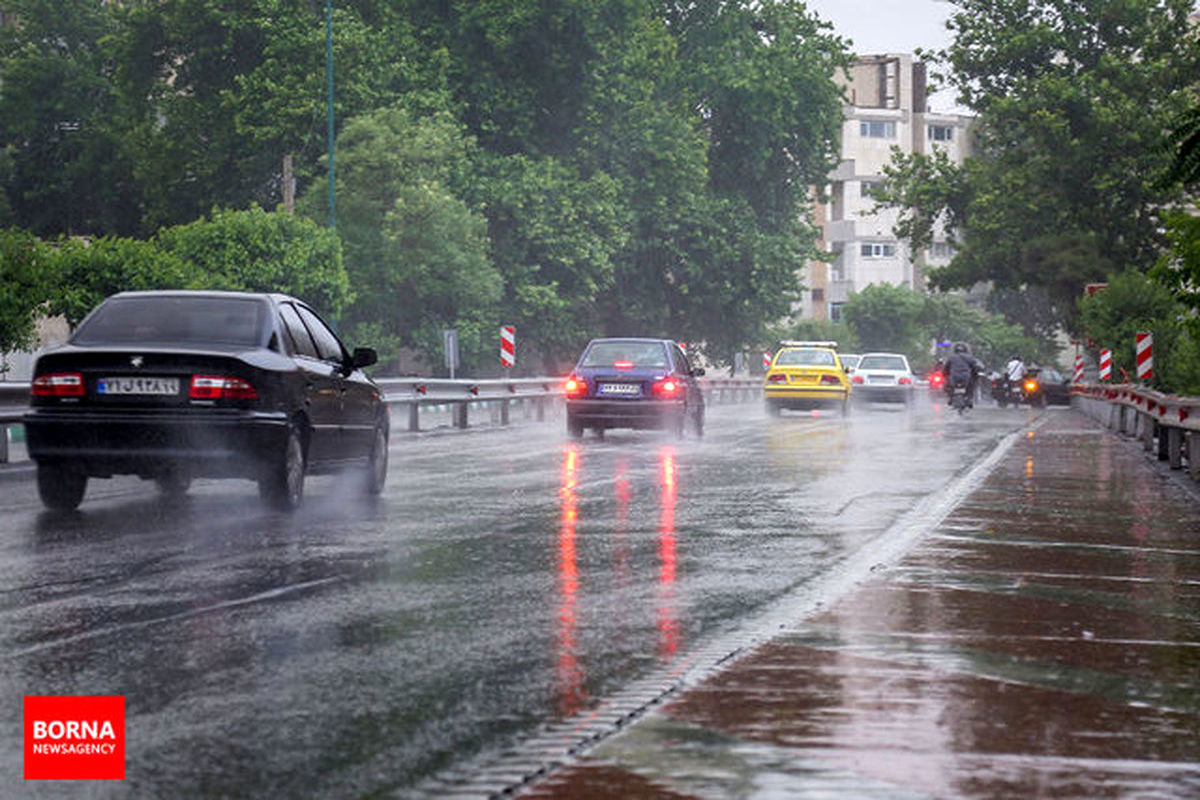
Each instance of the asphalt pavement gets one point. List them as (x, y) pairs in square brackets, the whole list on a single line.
[(1041, 639)]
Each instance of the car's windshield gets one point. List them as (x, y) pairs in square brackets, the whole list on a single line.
[(804, 358), (175, 319), (883, 362), (634, 354)]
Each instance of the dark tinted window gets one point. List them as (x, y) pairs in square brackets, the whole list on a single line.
[(328, 346), (174, 319), (301, 342), (637, 354)]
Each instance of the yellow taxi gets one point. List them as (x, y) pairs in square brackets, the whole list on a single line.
[(805, 375)]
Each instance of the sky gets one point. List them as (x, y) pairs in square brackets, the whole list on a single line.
[(891, 26)]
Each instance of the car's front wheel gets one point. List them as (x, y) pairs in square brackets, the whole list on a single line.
[(60, 487), (282, 483)]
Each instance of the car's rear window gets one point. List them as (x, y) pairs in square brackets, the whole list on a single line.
[(637, 354), (883, 362), (804, 358), (177, 320)]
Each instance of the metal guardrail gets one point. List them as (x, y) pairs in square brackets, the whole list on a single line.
[(412, 395), (1169, 423)]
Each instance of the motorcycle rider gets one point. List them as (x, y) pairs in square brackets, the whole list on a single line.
[(1015, 373), (962, 368)]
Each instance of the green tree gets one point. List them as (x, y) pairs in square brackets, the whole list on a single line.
[(25, 287), (1072, 99), (261, 251), (60, 121), (417, 250), (1133, 302), (87, 271), (888, 318)]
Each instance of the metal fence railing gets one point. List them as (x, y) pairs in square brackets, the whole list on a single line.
[(1167, 422), (413, 398)]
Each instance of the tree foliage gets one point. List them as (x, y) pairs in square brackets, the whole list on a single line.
[(25, 285), (573, 167), (1073, 99), (1134, 302)]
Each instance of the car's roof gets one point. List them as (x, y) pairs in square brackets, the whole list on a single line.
[(203, 293), (630, 339)]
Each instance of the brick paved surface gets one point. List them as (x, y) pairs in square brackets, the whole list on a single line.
[(1042, 642)]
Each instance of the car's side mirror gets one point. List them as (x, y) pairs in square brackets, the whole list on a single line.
[(698, 371), (363, 357)]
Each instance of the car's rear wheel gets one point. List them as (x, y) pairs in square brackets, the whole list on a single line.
[(61, 487), (698, 422), (845, 409), (377, 463), (773, 409), (574, 427), (282, 484)]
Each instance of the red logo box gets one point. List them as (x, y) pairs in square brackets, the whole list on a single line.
[(75, 738)]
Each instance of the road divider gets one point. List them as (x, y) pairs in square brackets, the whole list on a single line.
[(1168, 424)]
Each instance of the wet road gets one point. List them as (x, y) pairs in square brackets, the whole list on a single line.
[(507, 578)]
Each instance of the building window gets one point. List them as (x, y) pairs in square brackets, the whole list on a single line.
[(835, 311), (877, 130), (818, 295), (878, 250), (868, 188), (941, 133)]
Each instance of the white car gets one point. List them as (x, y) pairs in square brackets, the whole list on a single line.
[(883, 376)]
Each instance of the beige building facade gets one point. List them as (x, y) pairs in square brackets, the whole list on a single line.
[(888, 108)]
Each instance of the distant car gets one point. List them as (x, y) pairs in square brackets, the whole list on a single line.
[(1054, 385), (634, 383), (884, 377), (806, 375), (176, 385), (849, 360)]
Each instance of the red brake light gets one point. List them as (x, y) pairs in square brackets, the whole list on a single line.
[(58, 384), (904, 381), (575, 387), (831, 379), (777, 377), (857, 378), (220, 387), (667, 387), (623, 364)]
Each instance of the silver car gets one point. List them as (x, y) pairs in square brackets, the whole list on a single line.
[(884, 377)]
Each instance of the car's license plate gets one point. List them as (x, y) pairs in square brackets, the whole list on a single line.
[(138, 385), (623, 389)]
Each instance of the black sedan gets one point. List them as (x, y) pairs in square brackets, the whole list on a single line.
[(175, 385), (634, 383)]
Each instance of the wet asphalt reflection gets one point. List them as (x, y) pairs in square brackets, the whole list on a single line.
[(505, 579)]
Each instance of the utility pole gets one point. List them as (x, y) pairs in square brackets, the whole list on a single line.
[(329, 106)]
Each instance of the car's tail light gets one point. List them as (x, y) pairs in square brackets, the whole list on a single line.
[(831, 379), (904, 381), (57, 384), (575, 387), (220, 387), (857, 379), (777, 377), (1031, 386), (667, 387), (623, 364)]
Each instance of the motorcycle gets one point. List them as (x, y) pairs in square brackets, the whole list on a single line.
[(1032, 392), (960, 400), (1003, 392)]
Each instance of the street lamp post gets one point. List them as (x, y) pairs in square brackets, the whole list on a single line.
[(329, 106)]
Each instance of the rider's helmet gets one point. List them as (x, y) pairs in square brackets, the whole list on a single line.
[(960, 348)]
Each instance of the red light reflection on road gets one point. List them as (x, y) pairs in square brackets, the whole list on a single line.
[(568, 670), (668, 622)]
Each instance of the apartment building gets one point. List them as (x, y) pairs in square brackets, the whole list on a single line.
[(888, 107)]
